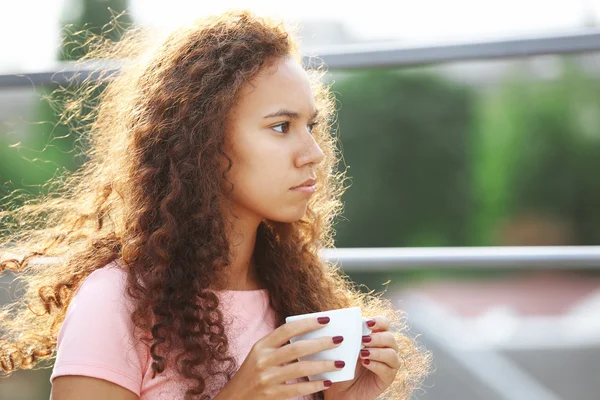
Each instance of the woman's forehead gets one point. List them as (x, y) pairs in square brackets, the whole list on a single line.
[(283, 83)]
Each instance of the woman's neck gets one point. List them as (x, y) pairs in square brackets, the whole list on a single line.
[(242, 272)]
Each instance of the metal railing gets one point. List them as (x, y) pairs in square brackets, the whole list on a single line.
[(380, 259), (530, 257), (395, 54), (366, 55)]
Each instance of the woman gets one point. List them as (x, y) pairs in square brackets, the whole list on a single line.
[(193, 230)]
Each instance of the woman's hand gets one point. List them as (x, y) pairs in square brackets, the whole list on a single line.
[(264, 372), (376, 368)]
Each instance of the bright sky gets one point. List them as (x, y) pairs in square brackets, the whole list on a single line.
[(29, 28)]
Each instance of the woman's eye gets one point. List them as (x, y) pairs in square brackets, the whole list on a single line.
[(285, 127)]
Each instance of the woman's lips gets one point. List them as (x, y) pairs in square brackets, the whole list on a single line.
[(305, 189), (308, 182)]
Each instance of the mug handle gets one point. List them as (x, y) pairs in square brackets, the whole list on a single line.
[(365, 330)]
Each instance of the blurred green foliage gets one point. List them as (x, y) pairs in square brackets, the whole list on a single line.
[(30, 158), (48, 146), (536, 157), (82, 18), (404, 137), (436, 164)]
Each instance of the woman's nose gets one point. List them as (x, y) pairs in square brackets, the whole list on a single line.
[(310, 153)]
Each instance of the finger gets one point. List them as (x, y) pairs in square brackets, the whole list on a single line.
[(380, 339), (382, 370), (378, 323), (305, 368), (293, 390), (301, 348), (385, 356), (285, 332)]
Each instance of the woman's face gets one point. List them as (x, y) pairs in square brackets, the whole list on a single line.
[(271, 146)]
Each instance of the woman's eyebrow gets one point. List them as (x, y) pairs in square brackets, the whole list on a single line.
[(290, 114)]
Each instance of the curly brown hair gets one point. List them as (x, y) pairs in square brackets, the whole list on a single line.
[(149, 195)]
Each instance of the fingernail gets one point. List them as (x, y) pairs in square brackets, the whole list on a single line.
[(323, 320), (370, 323), (366, 339), (367, 362), (327, 383), (338, 339), (340, 364), (365, 353)]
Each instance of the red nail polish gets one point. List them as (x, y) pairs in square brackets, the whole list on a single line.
[(365, 353), (323, 320), (340, 364), (338, 339), (327, 383), (367, 362), (366, 339), (370, 323)]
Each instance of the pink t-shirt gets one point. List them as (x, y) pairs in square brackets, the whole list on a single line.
[(97, 340)]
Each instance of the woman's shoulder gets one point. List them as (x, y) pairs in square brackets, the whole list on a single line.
[(103, 287), (97, 338), (100, 307), (110, 276)]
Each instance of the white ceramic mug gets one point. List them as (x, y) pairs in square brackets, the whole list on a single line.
[(346, 322)]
